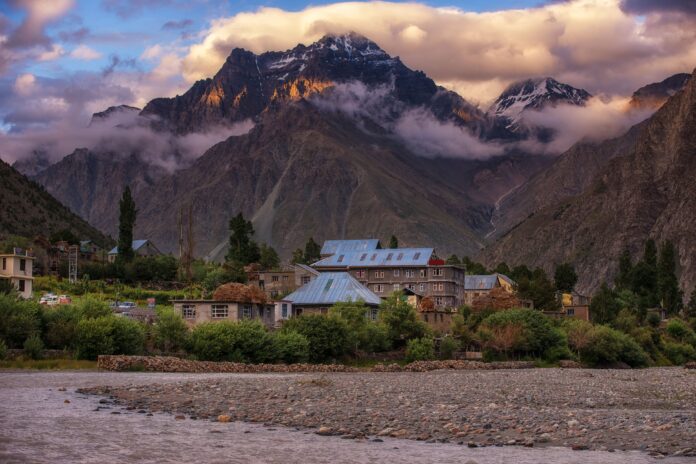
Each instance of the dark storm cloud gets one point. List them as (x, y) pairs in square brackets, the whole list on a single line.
[(177, 25), (651, 6)]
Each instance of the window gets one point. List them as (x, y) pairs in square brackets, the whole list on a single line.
[(188, 311), (438, 301), (396, 273), (570, 312), (219, 312), (374, 256), (340, 258), (4, 263), (372, 314), (285, 278), (363, 256), (305, 280), (410, 273), (21, 285), (284, 310), (389, 256), (329, 283), (411, 287), (247, 312), (323, 310), (275, 278), (397, 287), (379, 288), (422, 287), (22, 264), (360, 274), (379, 274), (416, 256), (399, 256), (438, 287), (422, 273), (437, 272)]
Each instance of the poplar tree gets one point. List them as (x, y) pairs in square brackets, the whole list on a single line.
[(667, 283), (126, 223), (243, 250)]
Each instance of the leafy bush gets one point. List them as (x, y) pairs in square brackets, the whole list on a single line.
[(19, 319), (401, 320), (90, 307), (170, 331), (3, 349), (60, 326), (109, 335), (376, 338), (364, 334), (290, 347), (679, 330), (245, 341), (420, 349), (33, 347), (608, 346), (679, 353), (448, 345), (327, 335)]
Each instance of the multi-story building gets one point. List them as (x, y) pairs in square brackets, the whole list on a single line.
[(17, 267), (279, 282), (385, 271), (478, 286)]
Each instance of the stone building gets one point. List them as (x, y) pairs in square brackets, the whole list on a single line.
[(477, 286), (140, 247), (282, 281)]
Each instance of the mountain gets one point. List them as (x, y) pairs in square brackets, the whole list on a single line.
[(534, 95), (26, 209), (645, 190), (247, 84), (653, 96)]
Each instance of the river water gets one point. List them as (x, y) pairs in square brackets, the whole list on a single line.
[(37, 425)]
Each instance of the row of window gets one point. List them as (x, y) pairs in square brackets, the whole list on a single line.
[(22, 264), (220, 311), (435, 287), (436, 272)]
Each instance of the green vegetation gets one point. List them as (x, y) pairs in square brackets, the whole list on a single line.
[(401, 321), (328, 336), (393, 242), (126, 223), (311, 253), (420, 349)]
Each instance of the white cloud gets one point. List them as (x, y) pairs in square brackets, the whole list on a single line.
[(24, 85), (83, 52), (55, 52)]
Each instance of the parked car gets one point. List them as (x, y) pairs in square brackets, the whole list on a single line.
[(126, 305), (49, 299), (64, 299)]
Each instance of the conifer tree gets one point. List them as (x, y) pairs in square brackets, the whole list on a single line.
[(126, 223)]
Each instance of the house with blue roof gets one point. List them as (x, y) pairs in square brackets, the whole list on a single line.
[(327, 289), (476, 286), (140, 247), (332, 247)]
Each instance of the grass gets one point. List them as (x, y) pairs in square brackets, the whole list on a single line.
[(48, 364)]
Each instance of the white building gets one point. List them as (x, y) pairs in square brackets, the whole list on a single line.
[(17, 267)]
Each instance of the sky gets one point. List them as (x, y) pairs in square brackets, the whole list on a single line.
[(62, 60)]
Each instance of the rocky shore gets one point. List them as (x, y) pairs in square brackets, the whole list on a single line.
[(653, 410)]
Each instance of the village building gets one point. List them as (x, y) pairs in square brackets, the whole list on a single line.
[(477, 286), (18, 267), (90, 251), (327, 289), (332, 247), (140, 247), (279, 282), (438, 319), (230, 302), (385, 271), (573, 305)]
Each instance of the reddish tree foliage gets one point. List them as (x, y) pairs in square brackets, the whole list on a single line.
[(497, 299), (240, 293)]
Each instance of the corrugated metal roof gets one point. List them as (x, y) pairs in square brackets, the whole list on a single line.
[(330, 288), (378, 258), (331, 247), (137, 244), (309, 269), (484, 282)]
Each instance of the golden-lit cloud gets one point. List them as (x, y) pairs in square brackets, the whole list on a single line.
[(588, 43)]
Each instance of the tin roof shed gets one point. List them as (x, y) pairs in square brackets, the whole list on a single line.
[(333, 287)]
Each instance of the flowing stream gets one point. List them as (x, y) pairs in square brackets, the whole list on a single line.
[(38, 425)]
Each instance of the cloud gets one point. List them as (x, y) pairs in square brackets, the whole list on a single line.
[(129, 8), (121, 134), (83, 52), (74, 36), (416, 127), (24, 84), (651, 6), (39, 13), (592, 44), (177, 25)]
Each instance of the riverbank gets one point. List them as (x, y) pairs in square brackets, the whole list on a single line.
[(652, 410)]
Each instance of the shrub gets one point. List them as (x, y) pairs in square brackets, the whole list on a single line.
[(609, 346), (420, 349), (364, 334), (401, 320), (327, 335), (94, 338), (245, 341), (577, 333), (33, 347), (376, 338), (90, 307), (448, 345), (128, 335), (19, 319), (679, 353), (60, 327), (170, 331), (290, 347), (3, 349), (678, 330)]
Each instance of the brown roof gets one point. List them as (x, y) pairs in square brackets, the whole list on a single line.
[(240, 293)]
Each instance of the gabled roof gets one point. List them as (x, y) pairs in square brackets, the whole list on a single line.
[(330, 288), (137, 244), (378, 258), (331, 247), (309, 269), (484, 282)]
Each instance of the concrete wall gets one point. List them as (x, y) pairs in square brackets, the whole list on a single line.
[(195, 312)]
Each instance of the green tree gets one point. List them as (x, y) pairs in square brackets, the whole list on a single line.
[(19, 320), (364, 334), (691, 307), (126, 223), (539, 289), (171, 332), (607, 346), (520, 272), (327, 335), (312, 251), (420, 349), (401, 320), (565, 278), (604, 307), (472, 267), (64, 235), (94, 338), (6, 287), (61, 326), (453, 259), (243, 249), (291, 347), (644, 284), (650, 253), (298, 257), (623, 279), (245, 341), (502, 268), (393, 242), (668, 285), (33, 347), (268, 257)]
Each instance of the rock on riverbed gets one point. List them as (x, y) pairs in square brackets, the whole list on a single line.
[(653, 410)]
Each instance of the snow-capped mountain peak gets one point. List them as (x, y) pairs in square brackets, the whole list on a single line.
[(535, 94)]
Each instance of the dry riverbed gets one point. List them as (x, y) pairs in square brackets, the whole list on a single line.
[(653, 410)]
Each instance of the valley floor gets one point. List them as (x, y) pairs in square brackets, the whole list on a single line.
[(651, 410)]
